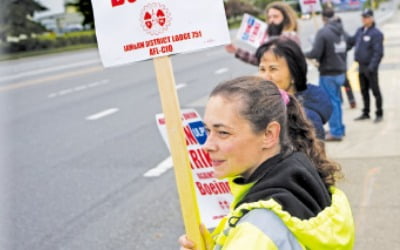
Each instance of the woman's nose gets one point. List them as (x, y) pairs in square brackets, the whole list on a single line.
[(267, 77), (209, 145)]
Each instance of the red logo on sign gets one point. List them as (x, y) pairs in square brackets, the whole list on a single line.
[(155, 18)]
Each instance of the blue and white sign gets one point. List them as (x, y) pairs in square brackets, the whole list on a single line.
[(252, 31), (199, 131)]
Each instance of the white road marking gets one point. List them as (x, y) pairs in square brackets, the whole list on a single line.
[(161, 168), (181, 85), (77, 88), (221, 71), (47, 70), (102, 114), (94, 84), (52, 95), (65, 91), (80, 88)]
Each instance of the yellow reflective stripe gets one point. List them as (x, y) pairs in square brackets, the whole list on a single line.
[(246, 236)]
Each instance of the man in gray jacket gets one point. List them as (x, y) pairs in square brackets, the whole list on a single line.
[(329, 49)]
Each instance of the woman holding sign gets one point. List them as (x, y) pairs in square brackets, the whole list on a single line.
[(281, 179), (282, 21)]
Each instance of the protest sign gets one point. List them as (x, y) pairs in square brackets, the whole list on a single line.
[(213, 195), (310, 6), (252, 31), (136, 30)]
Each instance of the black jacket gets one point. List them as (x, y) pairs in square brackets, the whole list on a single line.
[(329, 49), (368, 47), (292, 181)]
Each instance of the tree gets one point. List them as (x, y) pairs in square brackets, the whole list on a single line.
[(262, 3), (16, 18), (235, 8), (84, 7)]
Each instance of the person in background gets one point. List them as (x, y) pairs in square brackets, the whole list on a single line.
[(349, 93), (329, 49), (281, 179), (281, 20), (368, 41), (346, 85), (282, 62)]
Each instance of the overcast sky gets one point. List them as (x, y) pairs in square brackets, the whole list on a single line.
[(53, 6)]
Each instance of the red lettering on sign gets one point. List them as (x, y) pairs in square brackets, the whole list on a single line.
[(248, 28), (255, 31), (115, 3), (191, 165), (213, 188), (206, 157), (190, 139), (167, 49), (133, 46), (153, 51), (161, 121), (202, 153), (181, 37), (190, 115), (200, 158), (196, 34), (218, 217), (196, 159), (206, 175)]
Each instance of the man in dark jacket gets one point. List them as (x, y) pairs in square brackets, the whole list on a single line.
[(368, 42), (329, 49)]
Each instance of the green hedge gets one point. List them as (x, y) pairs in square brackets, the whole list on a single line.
[(49, 41)]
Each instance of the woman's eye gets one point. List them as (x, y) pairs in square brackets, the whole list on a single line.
[(223, 133)]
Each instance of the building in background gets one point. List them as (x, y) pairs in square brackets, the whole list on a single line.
[(59, 17)]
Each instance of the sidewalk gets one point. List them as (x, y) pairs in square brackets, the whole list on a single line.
[(370, 155)]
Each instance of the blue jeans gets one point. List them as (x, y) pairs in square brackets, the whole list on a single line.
[(332, 85)]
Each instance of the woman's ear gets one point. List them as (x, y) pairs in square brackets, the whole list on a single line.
[(271, 135)]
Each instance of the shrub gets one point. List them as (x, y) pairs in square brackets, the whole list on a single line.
[(49, 41)]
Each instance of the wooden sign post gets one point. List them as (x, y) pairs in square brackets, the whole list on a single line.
[(311, 6), (179, 153), (132, 31)]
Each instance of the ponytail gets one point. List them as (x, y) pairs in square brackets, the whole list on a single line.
[(303, 138), (263, 102)]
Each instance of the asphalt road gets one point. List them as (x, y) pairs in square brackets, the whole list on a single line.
[(76, 140)]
